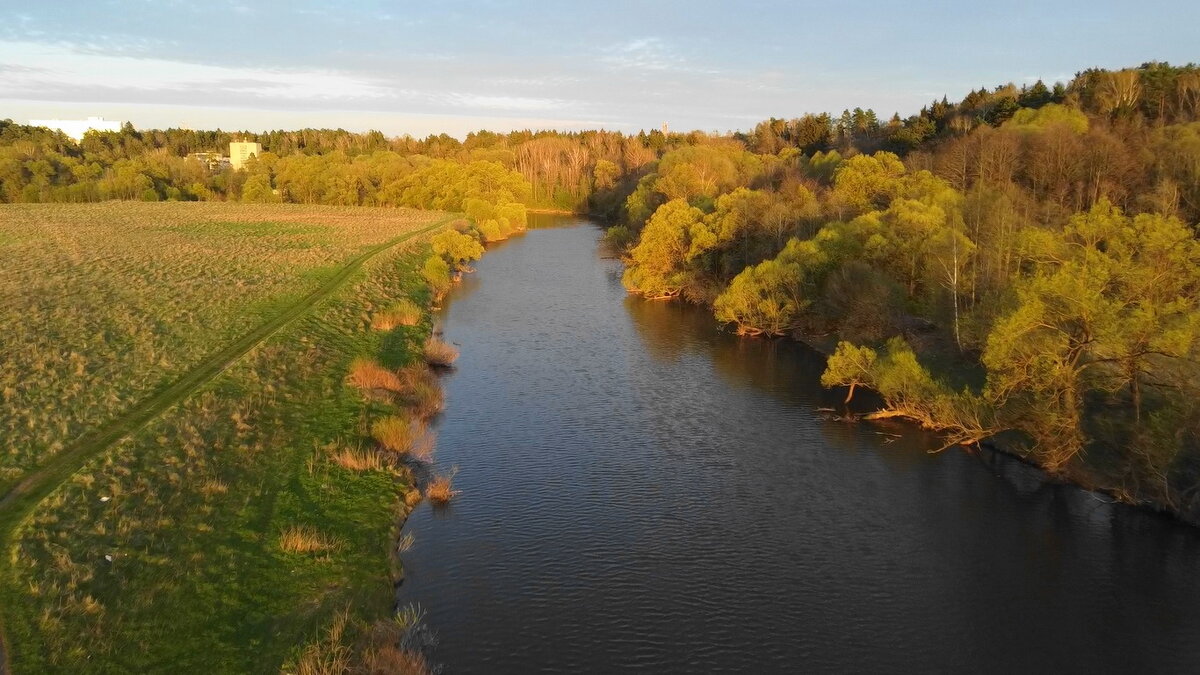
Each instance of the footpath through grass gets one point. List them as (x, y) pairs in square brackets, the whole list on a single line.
[(105, 305), (154, 542)]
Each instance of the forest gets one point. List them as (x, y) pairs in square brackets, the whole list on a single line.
[(1019, 267)]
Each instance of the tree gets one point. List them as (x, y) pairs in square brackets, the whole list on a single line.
[(763, 299), (864, 182), (849, 366), (1119, 92), (436, 273), (909, 390), (769, 298), (456, 247), (257, 189), (655, 265), (1113, 304)]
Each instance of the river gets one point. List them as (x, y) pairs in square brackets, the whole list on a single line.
[(640, 490)]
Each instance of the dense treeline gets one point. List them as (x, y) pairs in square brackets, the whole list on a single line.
[(1021, 265), (577, 171)]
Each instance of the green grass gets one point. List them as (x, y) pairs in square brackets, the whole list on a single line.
[(207, 476), (105, 304)]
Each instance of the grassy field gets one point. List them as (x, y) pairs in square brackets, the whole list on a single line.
[(242, 505)]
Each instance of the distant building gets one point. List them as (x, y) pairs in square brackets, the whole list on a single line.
[(213, 160), (240, 152), (77, 128)]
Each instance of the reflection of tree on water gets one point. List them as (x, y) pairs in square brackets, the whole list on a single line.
[(785, 369)]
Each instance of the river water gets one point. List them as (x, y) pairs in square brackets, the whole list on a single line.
[(641, 491)]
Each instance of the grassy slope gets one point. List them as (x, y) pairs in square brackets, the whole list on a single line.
[(197, 498), (103, 305)]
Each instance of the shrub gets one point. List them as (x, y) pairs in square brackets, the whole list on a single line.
[(490, 230), (403, 313), (436, 273), (367, 375), (456, 247), (395, 433), (439, 354)]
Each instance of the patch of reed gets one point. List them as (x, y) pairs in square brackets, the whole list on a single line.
[(396, 434), (421, 391), (328, 655), (439, 354), (360, 459), (403, 313), (441, 488), (367, 375), (305, 539)]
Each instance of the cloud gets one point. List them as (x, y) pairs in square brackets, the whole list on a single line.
[(521, 103), (648, 53), (66, 66), (71, 72)]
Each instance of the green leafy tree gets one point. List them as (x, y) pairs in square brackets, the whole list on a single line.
[(656, 264), (456, 247), (257, 189)]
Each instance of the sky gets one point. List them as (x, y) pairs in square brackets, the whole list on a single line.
[(454, 66)]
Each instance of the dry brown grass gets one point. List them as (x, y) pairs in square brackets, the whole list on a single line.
[(396, 434), (421, 391), (305, 539), (403, 313), (360, 459), (441, 488), (367, 375), (423, 447), (328, 655), (439, 354), (391, 660), (412, 498)]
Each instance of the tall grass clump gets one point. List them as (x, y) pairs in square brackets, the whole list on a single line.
[(400, 645), (421, 391), (441, 488), (367, 375), (395, 661), (396, 434), (360, 459), (305, 539), (439, 354), (328, 655), (403, 313)]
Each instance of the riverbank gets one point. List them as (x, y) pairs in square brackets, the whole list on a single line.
[(1080, 475)]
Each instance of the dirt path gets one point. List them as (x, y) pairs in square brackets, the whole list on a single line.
[(16, 504)]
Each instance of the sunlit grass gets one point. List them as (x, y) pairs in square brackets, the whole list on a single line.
[(367, 375), (305, 539), (439, 353), (103, 303), (440, 489), (236, 521), (396, 434), (360, 459), (403, 313)]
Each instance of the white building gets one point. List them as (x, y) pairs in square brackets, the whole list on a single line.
[(77, 128), (240, 152)]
